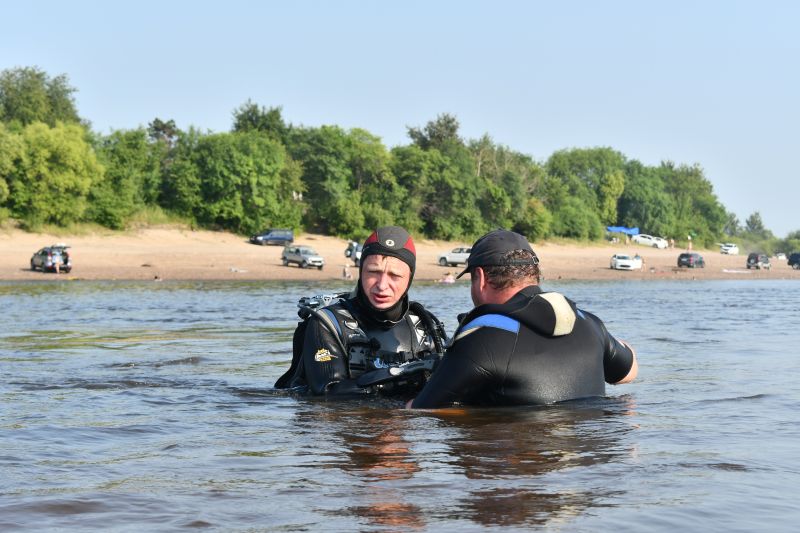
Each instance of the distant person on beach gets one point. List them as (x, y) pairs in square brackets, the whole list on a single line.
[(447, 278), (522, 345), (369, 331), (64, 259)]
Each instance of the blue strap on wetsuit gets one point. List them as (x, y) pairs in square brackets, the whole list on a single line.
[(492, 321)]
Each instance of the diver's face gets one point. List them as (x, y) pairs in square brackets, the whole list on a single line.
[(384, 280)]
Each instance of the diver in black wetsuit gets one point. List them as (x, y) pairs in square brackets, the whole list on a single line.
[(372, 329), (521, 345)]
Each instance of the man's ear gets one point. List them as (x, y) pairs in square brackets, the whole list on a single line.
[(480, 276)]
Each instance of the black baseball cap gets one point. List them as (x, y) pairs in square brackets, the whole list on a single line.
[(490, 249)]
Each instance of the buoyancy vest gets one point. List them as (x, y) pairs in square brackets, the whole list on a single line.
[(417, 335)]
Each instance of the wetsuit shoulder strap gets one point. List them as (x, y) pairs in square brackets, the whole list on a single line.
[(330, 319), (492, 320)]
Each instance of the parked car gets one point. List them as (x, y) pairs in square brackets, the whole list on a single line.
[(649, 240), (353, 251), (273, 236), (455, 257), (626, 262), (53, 258), (728, 248), (303, 256), (691, 260), (794, 260), (758, 261), (780, 256)]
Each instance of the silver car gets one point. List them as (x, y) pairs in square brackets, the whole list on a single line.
[(303, 256), (53, 258)]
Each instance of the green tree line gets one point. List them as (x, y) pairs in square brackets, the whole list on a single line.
[(266, 172)]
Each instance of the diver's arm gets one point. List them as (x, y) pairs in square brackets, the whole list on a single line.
[(634, 371), (619, 358), (457, 377)]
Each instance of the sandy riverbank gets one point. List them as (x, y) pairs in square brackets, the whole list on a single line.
[(182, 254)]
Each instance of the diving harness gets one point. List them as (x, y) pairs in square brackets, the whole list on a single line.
[(376, 360)]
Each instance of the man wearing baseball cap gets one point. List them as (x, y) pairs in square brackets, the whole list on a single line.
[(522, 345), (373, 328)]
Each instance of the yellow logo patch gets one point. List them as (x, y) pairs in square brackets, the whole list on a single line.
[(323, 355)]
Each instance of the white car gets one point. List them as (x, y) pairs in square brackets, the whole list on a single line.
[(626, 262), (649, 240), (729, 248), (456, 257)]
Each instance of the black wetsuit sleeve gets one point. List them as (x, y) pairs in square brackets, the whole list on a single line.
[(324, 363), (459, 374), (617, 356)]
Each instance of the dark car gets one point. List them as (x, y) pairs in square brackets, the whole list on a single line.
[(794, 260), (53, 258), (691, 260), (758, 261), (273, 236), (353, 251)]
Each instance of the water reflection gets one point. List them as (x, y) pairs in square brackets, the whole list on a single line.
[(517, 451), (380, 454), (377, 454), (504, 462)]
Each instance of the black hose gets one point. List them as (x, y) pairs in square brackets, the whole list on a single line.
[(432, 325)]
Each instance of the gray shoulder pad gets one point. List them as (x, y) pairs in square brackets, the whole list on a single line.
[(562, 311)]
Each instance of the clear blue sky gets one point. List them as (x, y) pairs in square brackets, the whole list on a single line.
[(708, 82)]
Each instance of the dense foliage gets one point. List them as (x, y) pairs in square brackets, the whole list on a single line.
[(29, 95), (267, 173)]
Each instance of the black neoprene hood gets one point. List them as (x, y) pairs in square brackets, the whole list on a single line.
[(392, 241)]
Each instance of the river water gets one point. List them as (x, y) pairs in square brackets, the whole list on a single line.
[(148, 406)]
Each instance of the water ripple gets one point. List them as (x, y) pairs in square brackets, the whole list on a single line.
[(150, 407)]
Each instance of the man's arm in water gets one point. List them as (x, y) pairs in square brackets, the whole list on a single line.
[(619, 357)]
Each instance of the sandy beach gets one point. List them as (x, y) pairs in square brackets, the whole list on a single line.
[(183, 254)]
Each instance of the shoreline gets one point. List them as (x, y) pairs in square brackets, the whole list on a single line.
[(196, 255)]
